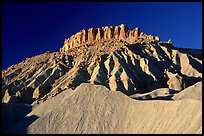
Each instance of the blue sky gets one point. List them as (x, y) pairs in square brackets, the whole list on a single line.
[(30, 28)]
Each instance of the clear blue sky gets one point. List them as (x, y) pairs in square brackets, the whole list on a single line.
[(30, 29)]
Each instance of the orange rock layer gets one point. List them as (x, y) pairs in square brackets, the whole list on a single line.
[(122, 33)]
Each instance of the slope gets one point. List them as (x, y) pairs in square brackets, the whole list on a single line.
[(95, 109)]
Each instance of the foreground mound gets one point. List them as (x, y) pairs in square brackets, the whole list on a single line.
[(95, 109)]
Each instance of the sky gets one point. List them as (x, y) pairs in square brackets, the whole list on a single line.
[(32, 28)]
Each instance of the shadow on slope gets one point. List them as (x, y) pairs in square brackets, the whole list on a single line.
[(195, 64), (150, 96), (22, 126), (12, 114)]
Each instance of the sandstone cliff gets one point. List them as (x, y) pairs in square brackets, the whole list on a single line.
[(121, 33)]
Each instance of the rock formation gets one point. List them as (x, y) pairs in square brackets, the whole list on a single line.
[(121, 32)]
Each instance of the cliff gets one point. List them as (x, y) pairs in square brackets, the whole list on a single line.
[(121, 33)]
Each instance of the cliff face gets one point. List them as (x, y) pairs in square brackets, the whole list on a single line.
[(121, 33)]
